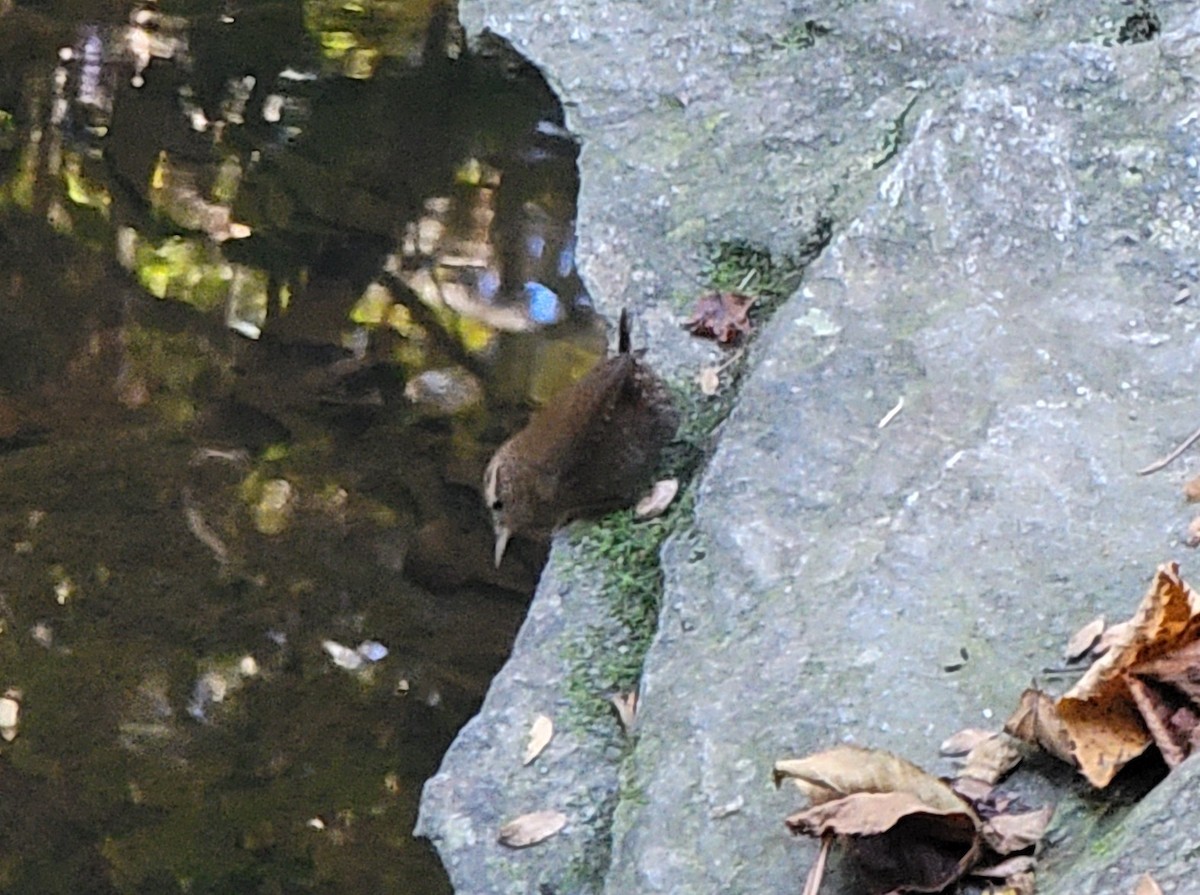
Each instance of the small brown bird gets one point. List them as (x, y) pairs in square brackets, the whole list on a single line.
[(590, 450)]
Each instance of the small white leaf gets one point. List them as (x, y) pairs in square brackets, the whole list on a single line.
[(540, 733), (656, 502), (626, 706), (530, 829)]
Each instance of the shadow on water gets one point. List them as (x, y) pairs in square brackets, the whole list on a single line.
[(269, 280)]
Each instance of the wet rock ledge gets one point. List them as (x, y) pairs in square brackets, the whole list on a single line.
[(1014, 193)]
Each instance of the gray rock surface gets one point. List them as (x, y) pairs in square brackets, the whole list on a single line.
[(1015, 203)]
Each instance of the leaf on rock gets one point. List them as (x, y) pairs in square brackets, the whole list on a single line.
[(1008, 833), (1007, 867), (626, 708), (843, 770), (974, 791), (908, 830), (992, 758), (964, 741), (1036, 721), (530, 829), (1139, 693), (721, 316), (656, 502), (1147, 886), (1084, 639), (1191, 489), (1112, 636), (709, 380), (1167, 693), (899, 841), (1100, 713), (540, 734)]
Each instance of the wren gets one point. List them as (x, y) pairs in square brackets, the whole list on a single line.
[(590, 450)]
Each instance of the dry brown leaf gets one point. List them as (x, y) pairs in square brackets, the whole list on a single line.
[(1169, 701), (974, 791), (1007, 867), (1157, 715), (626, 706), (1191, 489), (656, 502), (1036, 721), (1008, 833), (964, 741), (872, 813), (1176, 670), (1099, 713), (721, 316), (992, 758), (540, 734), (899, 841), (530, 829), (1084, 639), (843, 770), (908, 830), (1147, 886), (1113, 635), (709, 380)]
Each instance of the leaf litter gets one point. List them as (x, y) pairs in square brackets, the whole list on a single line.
[(908, 830), (1141, 693), (723, 316)]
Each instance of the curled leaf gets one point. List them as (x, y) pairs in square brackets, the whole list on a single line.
[(909, 831), (900, 843), (1008, 833), (843, 770), (656, 502), (992, 758), (1083, 640), (964, 741), (1036, 721), (626, 708)]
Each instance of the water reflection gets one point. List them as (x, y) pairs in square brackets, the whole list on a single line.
[(269, 280)]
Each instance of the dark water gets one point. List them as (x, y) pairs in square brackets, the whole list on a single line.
[(267, 278)]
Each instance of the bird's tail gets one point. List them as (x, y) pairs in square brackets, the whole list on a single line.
[(623, 332)]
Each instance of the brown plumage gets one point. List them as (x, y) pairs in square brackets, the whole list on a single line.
[(591, 449)]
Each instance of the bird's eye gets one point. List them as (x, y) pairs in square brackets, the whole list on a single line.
[(497, 504)]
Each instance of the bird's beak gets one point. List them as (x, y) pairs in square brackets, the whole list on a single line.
[(502, 534)]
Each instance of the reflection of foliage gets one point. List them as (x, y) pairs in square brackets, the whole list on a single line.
[(183, 269), (359, 33), (8, 131), (173, 371), (111, 785)]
